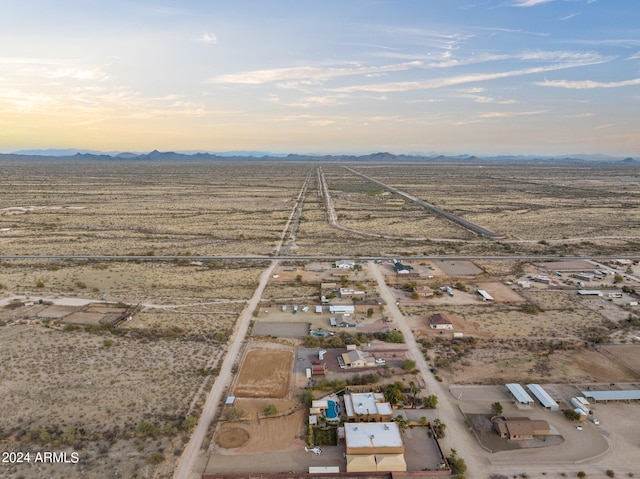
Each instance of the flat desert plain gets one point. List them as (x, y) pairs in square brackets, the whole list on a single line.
[(127, 396)]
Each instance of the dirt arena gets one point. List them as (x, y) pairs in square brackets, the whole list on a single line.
[(264, 374)]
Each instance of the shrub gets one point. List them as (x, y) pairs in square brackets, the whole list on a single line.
[(146, 429), (581, 474), (270, 410), (155, 458), (408, 364), (610, 473)]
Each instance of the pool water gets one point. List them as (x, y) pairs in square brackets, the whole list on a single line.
[(332, 410)]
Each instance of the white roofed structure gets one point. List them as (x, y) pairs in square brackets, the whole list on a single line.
[(373, 438), (523, 400), (542, 396), (485, 296), (367, 407), (622, 395)]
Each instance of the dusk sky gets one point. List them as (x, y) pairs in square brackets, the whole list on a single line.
[(548, 77)]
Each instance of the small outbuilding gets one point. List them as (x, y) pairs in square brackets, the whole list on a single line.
[(440, 321)]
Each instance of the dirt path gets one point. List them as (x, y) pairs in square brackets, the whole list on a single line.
[(185, 467), (458, 437)]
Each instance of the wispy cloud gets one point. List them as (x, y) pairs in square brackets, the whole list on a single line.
[(606, 125), (510, 114), (457, 80), (568, 17), (208, 38), (257, 77), (587, 84), (530, 3)]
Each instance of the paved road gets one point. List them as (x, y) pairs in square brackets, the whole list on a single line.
[(457, 436), (451, 217), (540, 258)]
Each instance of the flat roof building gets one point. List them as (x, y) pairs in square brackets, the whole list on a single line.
[(373, 438), (367, 407)]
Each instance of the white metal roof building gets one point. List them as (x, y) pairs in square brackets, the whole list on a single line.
[(523, 400), (542, 396), (589, 292), (624, 395), (485, 296), (342, 308)]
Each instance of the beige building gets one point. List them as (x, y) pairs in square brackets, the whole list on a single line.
[(374, 447), (519, 428), (367, 407), (356, 359)]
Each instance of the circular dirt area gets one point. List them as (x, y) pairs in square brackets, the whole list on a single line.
[(232, 438)]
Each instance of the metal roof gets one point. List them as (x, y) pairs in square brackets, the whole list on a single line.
[(542, 396), (624, 395), (485, 295), (519, 393)]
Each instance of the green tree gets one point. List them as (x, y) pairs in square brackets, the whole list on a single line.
[(618, 278), (439, 427), (369, 312), (496, 408), (571, 415), (393, 394), (401, 421), (457, 464), (430, 401)]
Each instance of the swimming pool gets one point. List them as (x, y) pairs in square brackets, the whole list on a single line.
[(332, 410)]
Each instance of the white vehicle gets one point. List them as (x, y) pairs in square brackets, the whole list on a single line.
[(579, 428), (595, 421), (316, 450), (380, 361)]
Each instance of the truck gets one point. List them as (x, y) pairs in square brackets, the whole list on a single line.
[(295, 309)]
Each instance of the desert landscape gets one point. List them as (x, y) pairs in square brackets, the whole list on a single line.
[(122, 284)]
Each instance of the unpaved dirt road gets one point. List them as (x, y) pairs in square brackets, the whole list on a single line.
[(185, 468), (457, 436)]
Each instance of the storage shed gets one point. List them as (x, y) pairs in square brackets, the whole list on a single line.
[(541, 395), (522, 399)]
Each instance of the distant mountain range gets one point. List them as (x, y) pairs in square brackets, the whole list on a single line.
[(380, 157)]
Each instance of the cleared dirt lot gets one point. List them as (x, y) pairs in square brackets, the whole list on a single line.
[(264, 374)]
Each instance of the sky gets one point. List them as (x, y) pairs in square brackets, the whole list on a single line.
[(484, 77)]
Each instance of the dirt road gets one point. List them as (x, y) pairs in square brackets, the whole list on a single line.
[(447, 411), (185, 467)]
